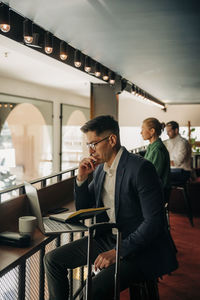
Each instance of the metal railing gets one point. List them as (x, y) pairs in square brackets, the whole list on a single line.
[(43, 181), (139, 150), (15, 282)]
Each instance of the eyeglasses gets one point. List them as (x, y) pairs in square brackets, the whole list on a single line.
[(93, 145)]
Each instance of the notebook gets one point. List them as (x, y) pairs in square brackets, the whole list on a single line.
[(78, 215), (46, 225)]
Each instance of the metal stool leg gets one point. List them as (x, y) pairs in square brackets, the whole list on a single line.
[(186, 198), (188, 205)]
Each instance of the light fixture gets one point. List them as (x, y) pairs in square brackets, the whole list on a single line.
[(63, 50), (133, 89), (35, 42), (105, 74), (87, 66), (48, 43), (28, 31), (123, 84), (97, 69), (145, 98), (4, 18), (137, 93), (77, 58), (33, 39), (142, 94), (112, 78)]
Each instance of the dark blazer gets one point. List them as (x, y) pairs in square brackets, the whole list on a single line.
[(139, 210)]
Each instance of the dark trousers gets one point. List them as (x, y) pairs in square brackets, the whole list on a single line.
[(179, 176), (73, 255)]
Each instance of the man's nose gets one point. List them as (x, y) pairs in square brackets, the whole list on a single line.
[(91, 150)]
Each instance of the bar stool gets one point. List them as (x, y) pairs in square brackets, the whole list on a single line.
[(183, 187), (144, 290)]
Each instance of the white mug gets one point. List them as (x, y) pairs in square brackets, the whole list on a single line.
[(27, 225)]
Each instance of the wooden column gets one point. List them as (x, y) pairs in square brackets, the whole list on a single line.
[(103, 101)]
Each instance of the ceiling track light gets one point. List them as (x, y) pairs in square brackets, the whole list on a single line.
[(97, 69), (112, 77), (4, 18), (133, 89), (63, 50), (88, 65), (48, 43), (145, 98), (77, 59), (28, 31), (137, 91), (142, 94), (123, 84), (105, 74), (35, 42), (31, 39)]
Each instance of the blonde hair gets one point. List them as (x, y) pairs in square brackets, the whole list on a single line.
[(154, 123)]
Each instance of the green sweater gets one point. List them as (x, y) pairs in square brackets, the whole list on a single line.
[(159, 156)]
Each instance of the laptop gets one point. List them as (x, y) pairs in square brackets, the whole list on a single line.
[(46, 225)]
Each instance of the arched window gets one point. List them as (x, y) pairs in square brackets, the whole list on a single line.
[(73, 141), (25, 142)]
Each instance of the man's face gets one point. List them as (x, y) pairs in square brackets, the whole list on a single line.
[(171, 132), (103, 151)]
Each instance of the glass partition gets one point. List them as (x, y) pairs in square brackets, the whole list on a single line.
[(131, 136), (73, 144), (25, 139)]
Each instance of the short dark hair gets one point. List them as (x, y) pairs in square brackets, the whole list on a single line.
[(102, 124), (174, 125)]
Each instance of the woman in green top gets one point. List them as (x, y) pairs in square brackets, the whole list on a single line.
[(157, 152)]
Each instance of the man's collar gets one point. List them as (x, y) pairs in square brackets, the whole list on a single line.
[(112, 169)]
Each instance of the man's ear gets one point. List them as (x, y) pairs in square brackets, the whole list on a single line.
[(113, 140), (176, 131)]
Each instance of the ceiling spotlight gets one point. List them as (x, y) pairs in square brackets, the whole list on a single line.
[(77, 58), (105, 74), (97, 69), (112, 78), (4, 18), (63, 50), (87, 66), (137, 91), (123, 84), (133, 89), (28, 31), (35, 42), (48, 42)]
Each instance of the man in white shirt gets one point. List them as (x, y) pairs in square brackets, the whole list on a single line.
[(129, 185), (180, 154)]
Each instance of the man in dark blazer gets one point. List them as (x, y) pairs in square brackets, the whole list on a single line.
[(129, 185)]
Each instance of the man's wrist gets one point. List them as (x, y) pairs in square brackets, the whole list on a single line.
[(81, 178)]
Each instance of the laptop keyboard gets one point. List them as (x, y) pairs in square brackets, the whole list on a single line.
[(51, 225)]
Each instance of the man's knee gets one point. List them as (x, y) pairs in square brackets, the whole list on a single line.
[(49, 258)]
